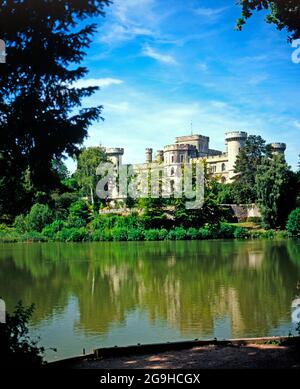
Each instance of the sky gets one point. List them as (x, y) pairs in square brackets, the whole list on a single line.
[(169, 67)]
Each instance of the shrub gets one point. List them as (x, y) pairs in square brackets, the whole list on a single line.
[(33, 236), (135, 234), (21, 224), (39, 216), (241, 233), (11, 237), (193, 233), (180, 233), (52, 229), (17, 349), (100, 222), (75, 222), (293, 223), (72, 235), (204, 233), (163, 234), (226, 231), (151, 235), (119, 234), (101, 236), (79, 209), (270, 234)]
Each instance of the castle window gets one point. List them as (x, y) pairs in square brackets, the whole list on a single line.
[(172, 159), (223, 167), (181, 158), (172, 171), (213, 169)]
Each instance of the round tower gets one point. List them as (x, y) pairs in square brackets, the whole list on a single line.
[(115, 155), (235, 140), (160, 156), (277, 148), (149, 155)]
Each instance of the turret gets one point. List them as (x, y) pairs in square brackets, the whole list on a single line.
[(235, 141), (277, 148), (149, 155), (115, 155), (160, 156)]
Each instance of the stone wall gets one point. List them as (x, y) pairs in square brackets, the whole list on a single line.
[(244, 211)]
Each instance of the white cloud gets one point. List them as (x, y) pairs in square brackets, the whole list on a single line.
[(210, 13), (165, 58), (129, 19), (202, 66), (101, 82), (296, 124)]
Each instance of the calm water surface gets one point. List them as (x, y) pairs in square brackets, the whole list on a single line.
[(92, 295)]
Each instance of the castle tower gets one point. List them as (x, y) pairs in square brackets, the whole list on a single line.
[(277, 148), (149, 155), (115, 155), (160, 156), (235, 141)]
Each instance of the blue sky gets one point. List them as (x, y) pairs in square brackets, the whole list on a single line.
[(163, 64)]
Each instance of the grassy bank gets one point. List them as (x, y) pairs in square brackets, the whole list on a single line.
[(61, 233)]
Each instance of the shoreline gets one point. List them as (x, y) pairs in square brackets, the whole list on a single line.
[(231, 353)]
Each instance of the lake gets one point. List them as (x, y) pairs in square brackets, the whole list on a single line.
[(91, 295)]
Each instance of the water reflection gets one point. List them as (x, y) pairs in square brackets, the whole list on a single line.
[(191, 288)]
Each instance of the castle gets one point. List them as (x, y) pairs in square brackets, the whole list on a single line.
[(195, 148)]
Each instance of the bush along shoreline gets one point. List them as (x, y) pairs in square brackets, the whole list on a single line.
[(40, 225)]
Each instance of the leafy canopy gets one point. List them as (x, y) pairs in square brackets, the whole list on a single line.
[(282, 13)]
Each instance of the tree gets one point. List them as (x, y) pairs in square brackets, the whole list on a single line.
[(275, 189), (282, 13), (17, 349), (87, 162), (247, 163), (40, 115), (293, 224)]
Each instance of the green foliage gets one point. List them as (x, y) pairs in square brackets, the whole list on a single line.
[(39, 216), (247, 163), (21, 223), (241, 233), (204, 233), (73, 235), (275, 191), (79, 209), (163, 234), (87, 163), (52, 229), (135, 234), (151, 235), (40, 105), (102, 236), (119, 234), (282, 13), (17, 349), (61, 202), (178, 233), (33, 236), (293, 223), (226, 231), (193, 233), (226, 194)]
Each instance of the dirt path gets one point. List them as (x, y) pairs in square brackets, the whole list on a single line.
[(254, 356)]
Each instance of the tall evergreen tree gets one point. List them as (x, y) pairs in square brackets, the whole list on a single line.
[(247, 163), (40, 114), (276, 191)]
